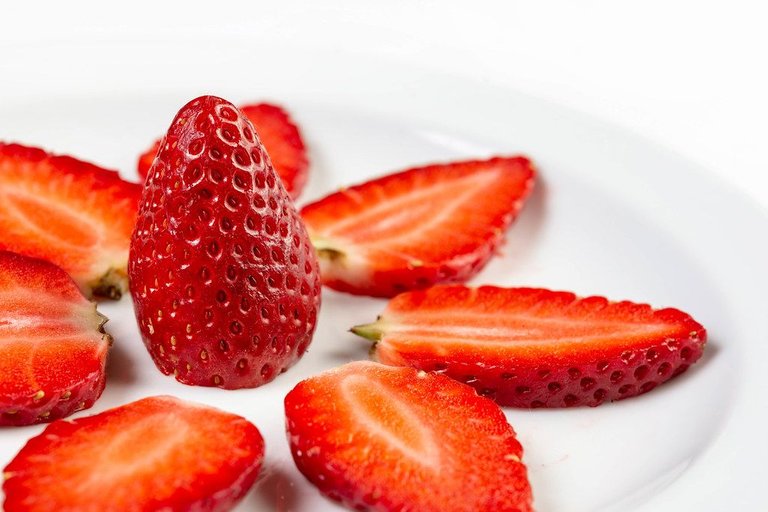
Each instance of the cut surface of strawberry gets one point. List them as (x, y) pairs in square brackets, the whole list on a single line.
[(419, 227), (72, 213), (280, 137), (158, 453), (53, 347), (223, 275), (383, 438), (530, 347)]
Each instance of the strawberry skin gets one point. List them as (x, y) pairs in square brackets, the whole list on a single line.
[(72, 213), (146, 159), (280, 137), (158, 453), (223, 276), (529, 347), (382, 438), (53, 347), (419, 227)]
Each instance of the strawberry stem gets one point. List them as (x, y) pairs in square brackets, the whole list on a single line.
[(371, 332), (325, 249), (111, 285)]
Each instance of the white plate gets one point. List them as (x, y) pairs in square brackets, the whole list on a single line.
[(613, 215)]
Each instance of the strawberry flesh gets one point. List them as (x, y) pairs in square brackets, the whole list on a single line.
[(528, 347), (53, 347), (417, 228), (72, 213), (223, 275), (158, 453), (382, 438), (280, 137)]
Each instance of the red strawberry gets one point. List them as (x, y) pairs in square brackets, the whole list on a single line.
[(223, 276), (384, 438), (434, 224), (280, 137), (282, 140), (528, 347), (72, 213), (53, 347), (146, 159), (159, 453)]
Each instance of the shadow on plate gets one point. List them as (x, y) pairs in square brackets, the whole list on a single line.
[(523, 234), (275, 490), (120, 367)]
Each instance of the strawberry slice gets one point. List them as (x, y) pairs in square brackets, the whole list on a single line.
[(283, 142), (382, 438), (72, 213), (419, 227), (159, 453), (146, 159), (280, 137), (528, 347), (53, 347)]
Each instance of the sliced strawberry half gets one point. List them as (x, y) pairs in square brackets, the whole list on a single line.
[(146, 159), (528, 347), (53, 347), (419, 227), (283, 142), (280, 137), (72, 213), (159, 453), (377, 437)]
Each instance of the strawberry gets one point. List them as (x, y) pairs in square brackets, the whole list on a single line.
[(280, 137), (146, 159), (72, 213), (158, 453), (283, 142), (383, 438), (528, 347), (223, 276), (53, 347), (419, 227)]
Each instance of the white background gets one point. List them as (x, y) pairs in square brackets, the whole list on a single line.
[(690, 75)]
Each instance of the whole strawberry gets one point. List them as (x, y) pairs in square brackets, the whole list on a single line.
[(281, 138), (223, 276)]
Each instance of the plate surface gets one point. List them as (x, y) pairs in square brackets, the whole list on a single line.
[(613, 215)]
